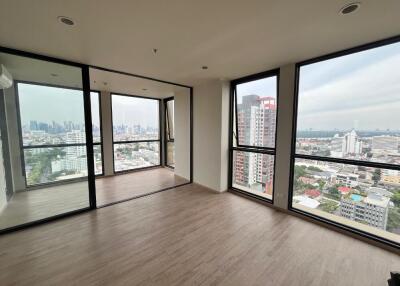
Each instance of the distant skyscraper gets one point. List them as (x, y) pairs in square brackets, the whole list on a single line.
[(349, 144), (353, 145)]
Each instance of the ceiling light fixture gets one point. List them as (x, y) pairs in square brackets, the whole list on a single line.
[(65, 20), (349, 8), (204, 67)]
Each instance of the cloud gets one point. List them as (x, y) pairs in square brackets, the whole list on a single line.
[(369, 96)]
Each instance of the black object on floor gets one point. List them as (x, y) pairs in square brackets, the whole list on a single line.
[(394, 279)]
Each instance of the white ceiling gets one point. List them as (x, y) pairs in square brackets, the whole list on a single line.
[(234, 38)]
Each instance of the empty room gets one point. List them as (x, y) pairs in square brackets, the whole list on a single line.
[(199, 142)]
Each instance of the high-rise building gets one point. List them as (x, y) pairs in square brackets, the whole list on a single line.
[(371, 210), (352, 143), (256, 127)]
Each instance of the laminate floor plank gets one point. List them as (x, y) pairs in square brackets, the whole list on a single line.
[(189, 236)]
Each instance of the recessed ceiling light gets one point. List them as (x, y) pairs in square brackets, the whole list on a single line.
[(204, 67), (349, 8), (65, 20)]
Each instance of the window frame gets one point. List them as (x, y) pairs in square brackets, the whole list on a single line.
[(167, 135), (64, 145), (293, 155), (101, 135), (233, 132), (137, 141)]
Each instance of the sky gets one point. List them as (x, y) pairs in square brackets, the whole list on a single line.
[(131, 111), (48, 104), (45, 104), (262, 87), (360, 91)]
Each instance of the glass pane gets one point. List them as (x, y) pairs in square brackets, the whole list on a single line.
[(171, 154), (349, 106), (253, 173), (256, 112), (96, 124), (129, 156), (57, 125), (98, 163), (170, 119), (42, 103), (135, 118), (44, 165), (361, 197)]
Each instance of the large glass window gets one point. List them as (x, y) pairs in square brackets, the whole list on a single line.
[(346, 166), (136, 129), (96, 128), (254, 127), (43, 147), (53, 142)]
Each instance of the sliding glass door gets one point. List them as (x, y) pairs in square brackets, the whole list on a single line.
[(44, 162)]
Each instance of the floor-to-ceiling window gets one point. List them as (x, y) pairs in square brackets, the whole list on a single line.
[(44, 164), (254, 109), (97, 132), (169, 133), (53, 142), (136, 132), (346, 155)]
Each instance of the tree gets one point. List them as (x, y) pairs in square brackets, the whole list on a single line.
[(315, 169), (334, 193), (299, 171), (376, 176), (393, 224), (328, 206), (396, 199)]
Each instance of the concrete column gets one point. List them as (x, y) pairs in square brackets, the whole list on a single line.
[(106, 123), (211, 124), (284, 135), (182, 133)]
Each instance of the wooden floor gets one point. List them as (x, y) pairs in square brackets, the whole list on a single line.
[(189, 236), (122, 187), (50, 201)]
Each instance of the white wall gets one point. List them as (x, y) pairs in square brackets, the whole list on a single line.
[(3, 186), (182, 133), (106, 124), (210, 134), (284, 133), (18, 178)]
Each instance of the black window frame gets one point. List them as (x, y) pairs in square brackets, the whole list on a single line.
[(167, 135), (101, 134), (293, 155), (233, 132), (22, 147), (159, 140)]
